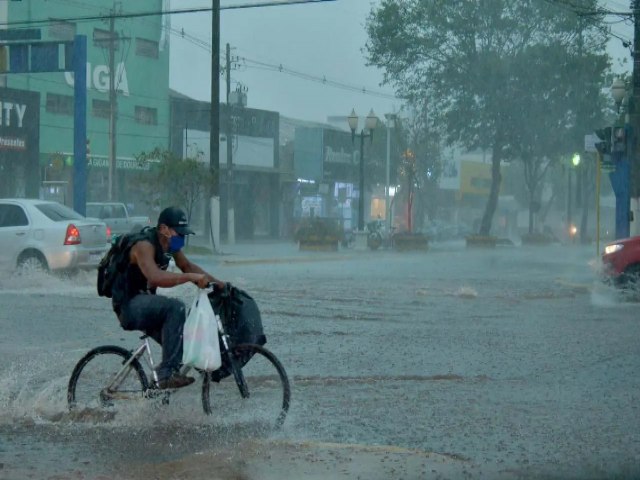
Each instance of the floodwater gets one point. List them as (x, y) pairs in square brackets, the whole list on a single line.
[(455, 363)]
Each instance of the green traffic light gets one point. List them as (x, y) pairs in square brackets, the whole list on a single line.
[(575, 160)]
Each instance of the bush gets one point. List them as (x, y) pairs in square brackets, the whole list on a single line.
[(318, 229)]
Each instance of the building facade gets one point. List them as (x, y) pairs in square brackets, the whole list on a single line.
[(19, 143), (327, 168), (141, 71), (256, 170)]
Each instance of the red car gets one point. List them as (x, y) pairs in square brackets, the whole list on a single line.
[(621, 261)]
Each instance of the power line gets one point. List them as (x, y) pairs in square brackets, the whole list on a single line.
[(583, 11), (323, 80), (91, 18), (207, 46), (289, 71), (272, 4)]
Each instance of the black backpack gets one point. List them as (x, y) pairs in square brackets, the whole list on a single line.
[(242, 321), (240, 316), (115, 261)]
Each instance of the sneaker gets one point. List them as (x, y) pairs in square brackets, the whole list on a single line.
[(175, 381)]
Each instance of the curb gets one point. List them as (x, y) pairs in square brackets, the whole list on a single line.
[(258, 261)]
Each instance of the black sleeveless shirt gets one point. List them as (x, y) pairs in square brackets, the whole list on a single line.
[(132, 281)]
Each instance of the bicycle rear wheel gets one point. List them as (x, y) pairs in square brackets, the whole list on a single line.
[(262, 385), (92, 375)]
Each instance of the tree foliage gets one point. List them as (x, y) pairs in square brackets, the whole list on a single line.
[(174, 180), (506, 76)]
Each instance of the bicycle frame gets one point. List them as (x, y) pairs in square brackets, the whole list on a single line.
[(145, 347), (112, 388)]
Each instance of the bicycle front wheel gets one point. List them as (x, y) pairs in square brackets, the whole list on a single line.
[(99, 381), (258, 392)]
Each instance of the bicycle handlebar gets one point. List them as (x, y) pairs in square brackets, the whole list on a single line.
[(224, 291)]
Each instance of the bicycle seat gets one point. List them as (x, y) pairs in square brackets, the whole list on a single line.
[(146, 335)]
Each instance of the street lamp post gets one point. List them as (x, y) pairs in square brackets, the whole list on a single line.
[(370, 124), (391, 118), (575, 161)]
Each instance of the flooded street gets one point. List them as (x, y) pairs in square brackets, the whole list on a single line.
[(505, 363)]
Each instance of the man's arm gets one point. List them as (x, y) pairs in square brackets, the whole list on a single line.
[(187, 266), (142, 254)]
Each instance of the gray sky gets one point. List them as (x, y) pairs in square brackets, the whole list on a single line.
[(320, 40)]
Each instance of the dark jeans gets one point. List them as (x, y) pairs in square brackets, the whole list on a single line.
[(163, 319)]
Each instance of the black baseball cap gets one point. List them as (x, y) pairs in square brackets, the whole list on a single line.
[(175, 218)]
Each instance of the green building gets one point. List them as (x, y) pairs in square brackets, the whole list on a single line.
[(141, 66)]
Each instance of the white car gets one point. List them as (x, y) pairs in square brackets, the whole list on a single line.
[(40, 234)]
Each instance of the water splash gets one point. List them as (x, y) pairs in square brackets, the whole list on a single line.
[(466, 292), (77, 284)]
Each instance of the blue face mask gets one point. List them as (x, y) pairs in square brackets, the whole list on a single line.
[(176, 243)]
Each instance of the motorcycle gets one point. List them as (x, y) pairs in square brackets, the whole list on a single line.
[(378, 235), (348, 239)]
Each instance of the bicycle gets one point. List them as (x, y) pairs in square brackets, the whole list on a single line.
[(109, 374)]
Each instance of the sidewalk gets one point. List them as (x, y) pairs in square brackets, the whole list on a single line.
[(265, 251), (287, 251)]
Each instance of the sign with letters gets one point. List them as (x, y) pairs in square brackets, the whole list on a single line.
[(98, 78), (19, 142)]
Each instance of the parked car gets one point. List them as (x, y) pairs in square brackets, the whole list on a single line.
[(117, 217), (621, 261), (46, 235)]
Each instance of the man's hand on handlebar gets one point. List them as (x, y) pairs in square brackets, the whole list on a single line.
[(204, 281), (218, 285), (200, 279)]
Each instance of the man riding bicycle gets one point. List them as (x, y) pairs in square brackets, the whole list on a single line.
[(134, 291)]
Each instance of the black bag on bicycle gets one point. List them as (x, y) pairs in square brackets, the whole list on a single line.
[(241, 320), (240, 316)]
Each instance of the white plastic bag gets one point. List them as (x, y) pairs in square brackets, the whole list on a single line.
[(200, 336)]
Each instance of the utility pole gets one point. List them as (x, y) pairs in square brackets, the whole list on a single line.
[(213, 217), (582, 192), (4, 18), (231, 226), (634, 111), (113, 108)]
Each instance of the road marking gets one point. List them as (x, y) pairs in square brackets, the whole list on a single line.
[(364, 448)]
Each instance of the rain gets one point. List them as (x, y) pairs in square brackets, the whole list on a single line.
[(417, 194)]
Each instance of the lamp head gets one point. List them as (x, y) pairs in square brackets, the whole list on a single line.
[(618, 90), (353, 120), (391, 119), (372, 121)]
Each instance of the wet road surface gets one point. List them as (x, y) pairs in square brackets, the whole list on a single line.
[(512, 363)]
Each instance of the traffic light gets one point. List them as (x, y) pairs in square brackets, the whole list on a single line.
[(619, 139), (4, 58), (575, 160), (604, 146)]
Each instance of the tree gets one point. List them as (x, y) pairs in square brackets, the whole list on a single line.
[(573, 106), (420, 165), (475, 62), (173, 180)]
